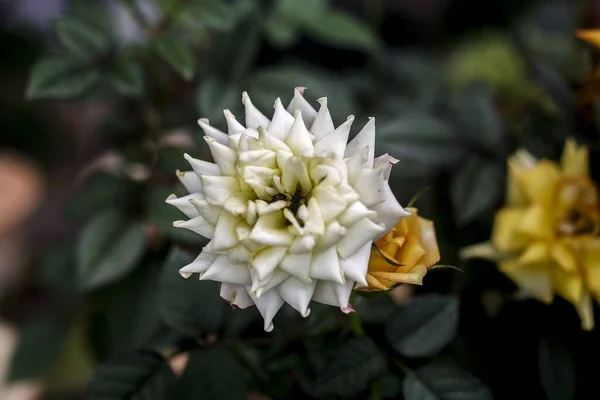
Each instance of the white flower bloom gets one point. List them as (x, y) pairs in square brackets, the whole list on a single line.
[(290, 207)]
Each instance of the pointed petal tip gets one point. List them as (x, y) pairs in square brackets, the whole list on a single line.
[(245, 97), (171, 197), (184, 274), (322, 101), (203, 121), (269, 328), (177, 224), (348, 309), (306, 313), (300, 89)]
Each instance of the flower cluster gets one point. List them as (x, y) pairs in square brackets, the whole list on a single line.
[(291, 209), (545, 238)]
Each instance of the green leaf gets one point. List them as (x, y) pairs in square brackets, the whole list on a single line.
[(170, 159), (60, 77), (40, 343), (553, 43), (391, 385), (266, 84), (237, 51), (212, 374), (81, 39), (353, 367), (215, 95), (216, 14), (557, 371), (58, 269), (126, 316), (476, 188), (178, 55), (95, 14), (418, 81), (100, 191), (425, 144), (188, 305), (490, 58), (376, 308), (281, 32), (109, 248), (301, 11), (343, 30), (126, 76), (479, 119), (135, 376), (424, 326), (443, 382), (162, 216)]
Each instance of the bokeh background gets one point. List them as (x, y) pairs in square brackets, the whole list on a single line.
[(455, 86)]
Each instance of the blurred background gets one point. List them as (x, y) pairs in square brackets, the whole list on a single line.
[(455, 86)]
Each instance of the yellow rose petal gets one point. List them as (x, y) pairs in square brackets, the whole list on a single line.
[(374, 283), (536, 280), (540, 182), (390, 247), (415, 277), (409, 254), (575, 160), (515, 192), (536, 223), (568, 285), (537, 253), (485, 250), (402, 227), (429, 243), (591, 265), (504, 235), (564, 256), (378, 263), (585, 309)]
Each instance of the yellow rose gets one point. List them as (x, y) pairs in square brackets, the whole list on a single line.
[(412, 245), (545, 237)]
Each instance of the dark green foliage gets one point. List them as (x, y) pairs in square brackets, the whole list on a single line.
[(188, 306), (424, 326), (39, 346), (136, 376)]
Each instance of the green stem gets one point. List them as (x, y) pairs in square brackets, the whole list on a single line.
[(355, 321), (376, 390), (402, 366)]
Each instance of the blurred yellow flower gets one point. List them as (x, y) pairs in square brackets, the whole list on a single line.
[(590, 35), (410, 249), (545, 238)]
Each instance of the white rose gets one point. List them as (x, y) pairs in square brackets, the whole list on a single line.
[(290, 207)]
